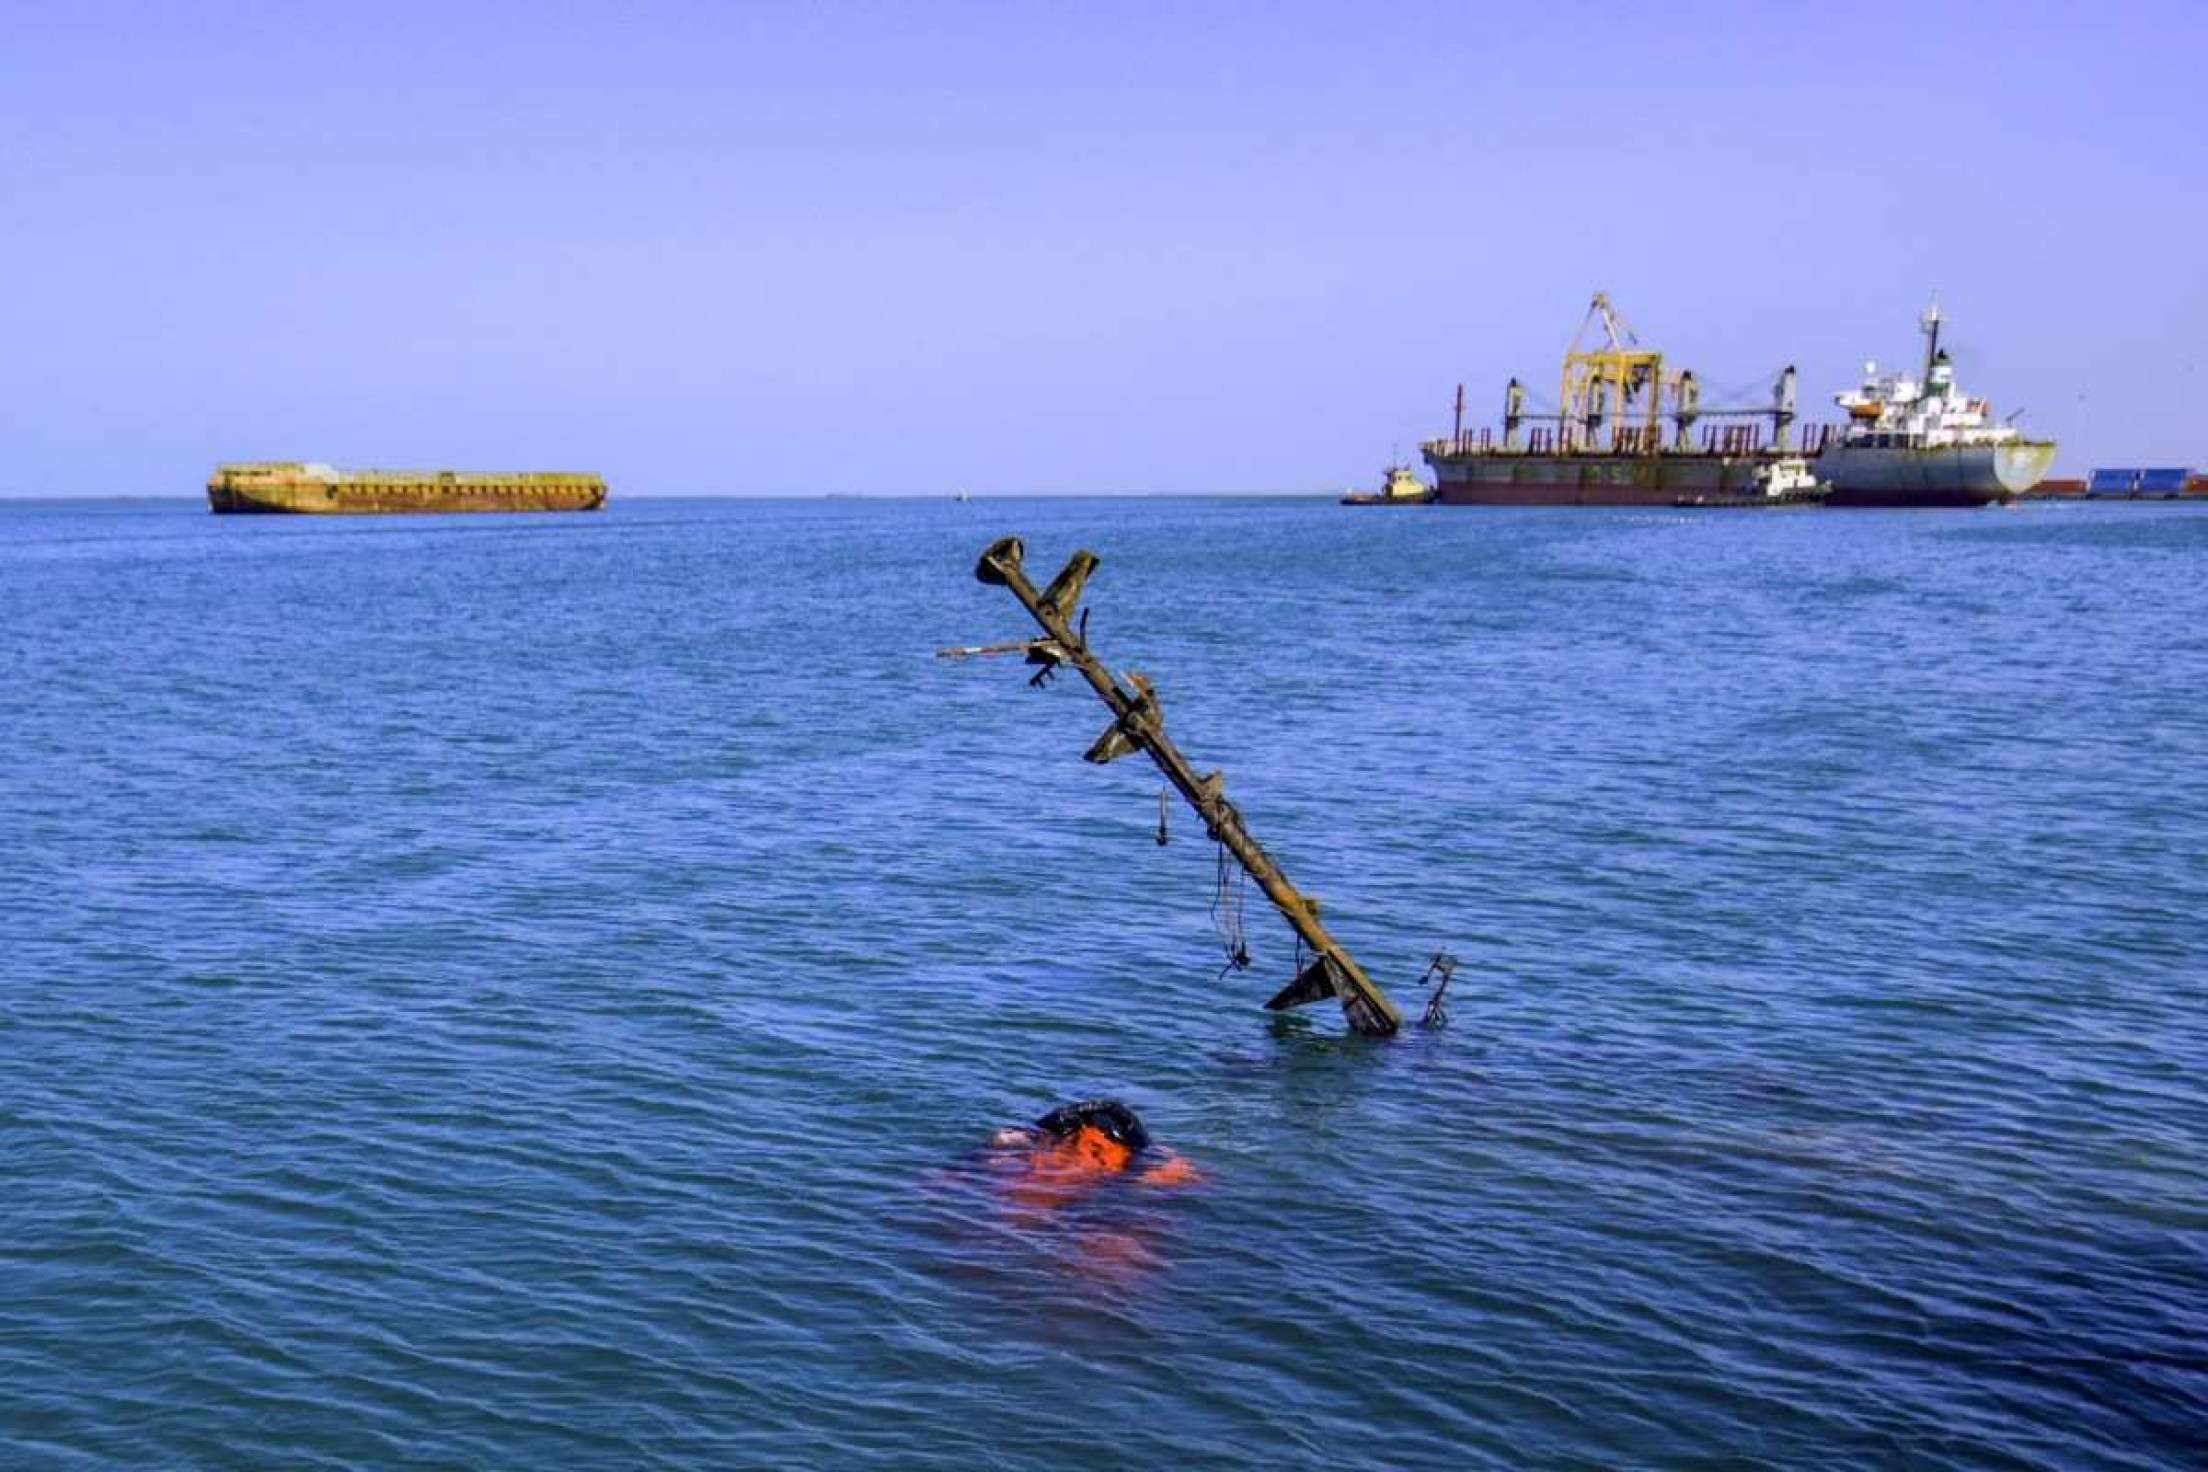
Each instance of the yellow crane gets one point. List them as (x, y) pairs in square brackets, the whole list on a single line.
[(1612, 380)]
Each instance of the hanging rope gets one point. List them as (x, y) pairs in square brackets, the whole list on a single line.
[(1228, 894), (1163, 837)]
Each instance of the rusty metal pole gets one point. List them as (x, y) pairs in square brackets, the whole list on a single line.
[(1138, 724)]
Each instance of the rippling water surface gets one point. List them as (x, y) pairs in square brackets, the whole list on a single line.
[(528, 992)]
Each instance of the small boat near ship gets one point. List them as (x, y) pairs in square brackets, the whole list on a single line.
[(1924, 442), (1783, 480), (299, 487), (1399, 486)]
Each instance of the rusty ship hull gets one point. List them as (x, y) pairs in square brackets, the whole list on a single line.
[(1481, 477), (300, 488)]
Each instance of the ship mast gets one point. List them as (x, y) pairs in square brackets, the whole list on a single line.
[(1930, 322), (1138, 724)]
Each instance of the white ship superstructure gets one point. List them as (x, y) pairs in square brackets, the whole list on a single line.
[(1924, 442)]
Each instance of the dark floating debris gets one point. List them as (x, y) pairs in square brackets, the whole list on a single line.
[(1138, 724), (1439, 972)]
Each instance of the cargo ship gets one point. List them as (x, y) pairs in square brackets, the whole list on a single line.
[(1626, 433), (1924, 442), (304, 487)]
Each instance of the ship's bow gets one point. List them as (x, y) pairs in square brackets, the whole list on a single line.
[(2020, 467)]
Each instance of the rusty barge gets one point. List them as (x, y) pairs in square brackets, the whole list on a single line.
[(307, 488)]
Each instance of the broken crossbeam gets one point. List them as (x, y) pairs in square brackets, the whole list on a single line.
[(976, 651)]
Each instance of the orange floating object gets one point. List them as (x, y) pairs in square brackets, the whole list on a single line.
[(1173, 1172), (1070, 1150)]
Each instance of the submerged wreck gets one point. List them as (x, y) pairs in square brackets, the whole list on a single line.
[(1138, 724)]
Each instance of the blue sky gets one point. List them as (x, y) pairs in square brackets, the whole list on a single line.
[(868, 248)]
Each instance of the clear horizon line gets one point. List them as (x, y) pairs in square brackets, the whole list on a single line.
[(1197, 495)]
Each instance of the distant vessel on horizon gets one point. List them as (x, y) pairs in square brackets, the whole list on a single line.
[(309, 488), (1627, 432), (1923, 442)]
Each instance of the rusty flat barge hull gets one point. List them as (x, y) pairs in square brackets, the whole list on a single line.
[(1554, 493), (303, 488), (1474, 477)]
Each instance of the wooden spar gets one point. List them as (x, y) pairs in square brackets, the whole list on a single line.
[(979, 651), (1138, 724)]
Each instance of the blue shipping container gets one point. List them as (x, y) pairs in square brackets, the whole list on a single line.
[(2138, 482)]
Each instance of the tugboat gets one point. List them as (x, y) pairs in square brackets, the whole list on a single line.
[(1923, 442), (1784, 480), (1399, 486)]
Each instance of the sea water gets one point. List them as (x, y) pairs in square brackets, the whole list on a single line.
[(531, 991)]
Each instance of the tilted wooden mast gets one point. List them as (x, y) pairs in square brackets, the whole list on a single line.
[(1139, 725)]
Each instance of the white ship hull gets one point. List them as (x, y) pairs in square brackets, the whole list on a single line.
[(1943, 475)]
